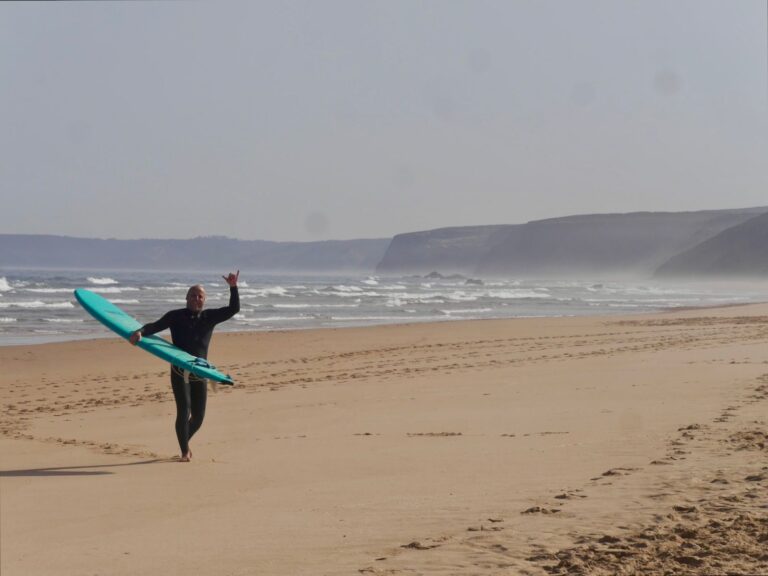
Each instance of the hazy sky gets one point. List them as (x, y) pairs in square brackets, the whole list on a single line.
[(310, 120)]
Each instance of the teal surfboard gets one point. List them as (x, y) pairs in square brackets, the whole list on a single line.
[(121, 323)]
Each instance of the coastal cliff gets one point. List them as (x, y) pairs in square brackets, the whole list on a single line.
[(740, 251), (641, 244), (586, 245)]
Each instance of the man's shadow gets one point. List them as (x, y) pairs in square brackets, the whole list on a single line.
[(77, 470)]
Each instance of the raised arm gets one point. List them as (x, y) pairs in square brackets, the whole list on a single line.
[(222, 314)]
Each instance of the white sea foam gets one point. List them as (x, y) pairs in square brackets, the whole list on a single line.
[(517, 294), (102, 281), (4, 285), (265, 292), (346, 292), (49, 290), (467, 311), (432, 297), (321, 306), (396, 302), (124, 301), (114, 290), (370, 281), (36, 304), (637, 290), (463, 297), (343, 288), (64, 320), (7, 320), (174, 288)]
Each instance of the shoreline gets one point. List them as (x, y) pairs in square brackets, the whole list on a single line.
[(671, 310), (38, 307), (557, 445)]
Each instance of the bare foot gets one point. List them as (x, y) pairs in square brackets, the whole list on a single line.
[(186, 457)]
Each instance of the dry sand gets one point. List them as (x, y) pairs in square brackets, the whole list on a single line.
[(613, 445)]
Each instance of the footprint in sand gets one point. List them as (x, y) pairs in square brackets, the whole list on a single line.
[(483, 528), (540, 510), (416, 545), (756, 477), (615, 472), (569, 495)]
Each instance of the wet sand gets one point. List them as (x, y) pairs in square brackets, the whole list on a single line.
[(612, 445)]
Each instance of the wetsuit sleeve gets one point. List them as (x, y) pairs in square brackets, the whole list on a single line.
[(225, 313), (155, 327)]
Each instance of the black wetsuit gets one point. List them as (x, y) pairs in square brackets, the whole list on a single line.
[(191, 332)]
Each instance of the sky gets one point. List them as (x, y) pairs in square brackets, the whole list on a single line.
[(315, 120)]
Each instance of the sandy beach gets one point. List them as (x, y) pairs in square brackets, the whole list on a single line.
[(600, 445)]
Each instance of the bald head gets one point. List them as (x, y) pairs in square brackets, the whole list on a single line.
[(196, 298)]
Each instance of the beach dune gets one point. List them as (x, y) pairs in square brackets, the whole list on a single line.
[(598, 445)]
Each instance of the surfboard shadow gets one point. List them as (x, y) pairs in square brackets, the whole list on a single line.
[(76, 470)]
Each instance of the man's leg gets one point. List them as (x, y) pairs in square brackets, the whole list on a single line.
[(199, 397), (182, 395)]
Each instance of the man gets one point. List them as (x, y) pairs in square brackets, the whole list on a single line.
[(191, 330)]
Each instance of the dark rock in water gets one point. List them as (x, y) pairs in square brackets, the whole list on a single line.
[(434, 276), (474, 282)]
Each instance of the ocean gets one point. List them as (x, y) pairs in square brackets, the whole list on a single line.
[(38, 306)]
